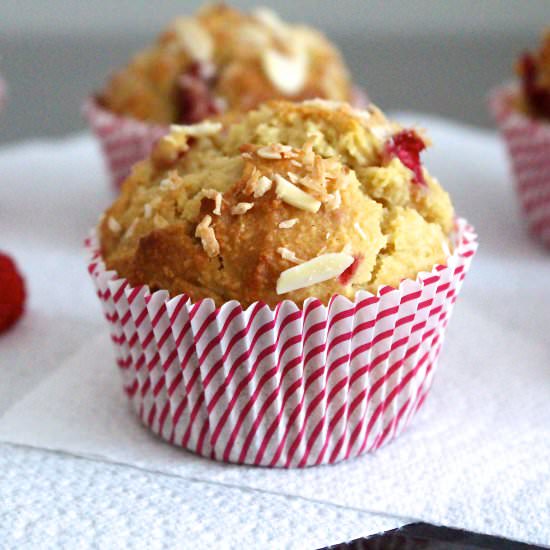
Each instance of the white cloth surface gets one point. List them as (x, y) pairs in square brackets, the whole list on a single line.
[(476, 456)]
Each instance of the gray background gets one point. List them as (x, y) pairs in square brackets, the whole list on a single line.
[(435, 56)]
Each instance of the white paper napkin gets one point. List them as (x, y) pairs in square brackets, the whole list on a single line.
[(476, 456)]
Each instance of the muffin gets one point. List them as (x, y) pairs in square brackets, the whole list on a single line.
[(305, 239), (522, 112), (221, 61)]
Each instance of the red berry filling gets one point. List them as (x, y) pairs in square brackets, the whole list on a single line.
[(12, 293), (347, 275), (194, 94), (537, 96), (407, 146)]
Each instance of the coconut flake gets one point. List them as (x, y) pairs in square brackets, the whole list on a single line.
[(241, 208), (113, 225), (289, 193), (287, 224), (319, 269), (263, 185), (205, 128), (207, 236), (359, 230), (289, 255), (334, 200)]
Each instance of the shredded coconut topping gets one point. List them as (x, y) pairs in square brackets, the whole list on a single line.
[(359, 230), (241, 208), (263, 185), (159, 221), (147, 210), (167, 183), (205, 128), (276, 151), (130, 231), (207, 236), (287, 224), (289, 255), (217, 197), (334, 200), (113, 225)]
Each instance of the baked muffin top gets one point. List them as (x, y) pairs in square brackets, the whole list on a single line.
[(295, 200), (223, 60), (533, 69)]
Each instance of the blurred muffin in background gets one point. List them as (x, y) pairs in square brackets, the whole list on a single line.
[(218, 62), (522, 113)]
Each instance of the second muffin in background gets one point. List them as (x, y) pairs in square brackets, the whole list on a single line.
[(220, 61)]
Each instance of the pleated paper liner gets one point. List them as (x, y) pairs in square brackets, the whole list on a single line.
[(287, 386), (125, 141), (528, 144)]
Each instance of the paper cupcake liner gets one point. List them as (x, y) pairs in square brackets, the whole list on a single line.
[(289, 386), (125, 141), (528, 144)]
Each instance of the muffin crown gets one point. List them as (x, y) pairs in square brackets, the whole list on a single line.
[(223, 60), (295, 200)]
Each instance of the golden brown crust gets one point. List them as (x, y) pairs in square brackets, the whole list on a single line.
[(244, 53), (289, 183)]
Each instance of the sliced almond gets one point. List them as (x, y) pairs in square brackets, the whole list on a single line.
[(319, 269), (147, 211), (294, 196), (194, 38), (205, 128), (287, 73)]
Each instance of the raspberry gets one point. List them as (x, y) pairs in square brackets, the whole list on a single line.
[(12, 293), (407, 146), (348, 274), (195, 98), (537, 96)]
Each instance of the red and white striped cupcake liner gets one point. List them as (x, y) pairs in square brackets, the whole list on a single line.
[(125, 141), (528, 144), (284, 387)]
